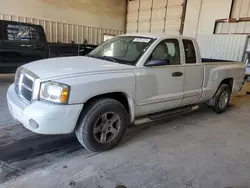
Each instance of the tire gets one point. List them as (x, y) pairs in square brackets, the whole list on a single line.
[(97, 116), (222, 98)]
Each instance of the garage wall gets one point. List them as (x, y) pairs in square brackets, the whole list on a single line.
[(201, 15), (227, 47), (241, 9), (200, 22), (157, 16), (233, 28), (192, 17), (66, 20), (239, 21)]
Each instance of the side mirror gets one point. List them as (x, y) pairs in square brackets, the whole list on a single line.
[(157, 62)]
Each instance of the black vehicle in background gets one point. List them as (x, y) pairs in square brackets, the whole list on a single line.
[(22, 43)]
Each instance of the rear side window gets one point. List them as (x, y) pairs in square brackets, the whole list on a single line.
[(189, 49), (19, 32)]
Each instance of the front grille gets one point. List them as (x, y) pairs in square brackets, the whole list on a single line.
[(26, 93), (24, 85), (27, 82)]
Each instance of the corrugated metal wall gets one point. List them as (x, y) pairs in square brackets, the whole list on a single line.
[(201, 15), (228, 47), (109, 14), (64, 32), (240, 9), (237, 27), (158, 16)]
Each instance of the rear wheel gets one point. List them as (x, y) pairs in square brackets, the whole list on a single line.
[(222, 98), (102, 125)]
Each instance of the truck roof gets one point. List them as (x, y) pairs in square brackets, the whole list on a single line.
[(157, 35), (17, 22)]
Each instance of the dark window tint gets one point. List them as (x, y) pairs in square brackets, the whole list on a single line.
[(1, 31), (21, 32), (189, 51), (168, 49)]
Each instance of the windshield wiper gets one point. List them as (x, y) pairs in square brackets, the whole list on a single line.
[(88, 55), (110, 59)]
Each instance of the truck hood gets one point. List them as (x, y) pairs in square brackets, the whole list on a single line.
[(64, 66)]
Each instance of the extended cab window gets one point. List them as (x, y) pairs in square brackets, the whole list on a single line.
[(19, 32), (167, 50), (190, 54)]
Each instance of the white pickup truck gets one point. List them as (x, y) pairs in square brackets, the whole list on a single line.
[(127, 79)]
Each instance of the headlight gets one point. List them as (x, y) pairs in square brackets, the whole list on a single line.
[(54, 92)]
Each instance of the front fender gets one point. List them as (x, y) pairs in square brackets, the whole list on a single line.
[(86, 87)]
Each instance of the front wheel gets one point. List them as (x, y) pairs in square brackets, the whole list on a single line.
[(222, 98), (102, 125)]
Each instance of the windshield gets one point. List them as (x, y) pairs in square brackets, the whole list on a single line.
[(122, 49)]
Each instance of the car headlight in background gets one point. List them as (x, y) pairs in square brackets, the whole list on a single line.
[(54, 92)]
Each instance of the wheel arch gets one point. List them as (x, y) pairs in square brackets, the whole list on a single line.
[(125, 99), (229, 82)]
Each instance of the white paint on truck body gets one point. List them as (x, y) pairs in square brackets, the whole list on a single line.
[(148, 89)]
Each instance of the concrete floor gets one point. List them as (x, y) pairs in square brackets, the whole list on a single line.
[(5, 117), (196, 150)]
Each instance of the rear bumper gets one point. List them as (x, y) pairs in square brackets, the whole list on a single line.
[(41, 117)]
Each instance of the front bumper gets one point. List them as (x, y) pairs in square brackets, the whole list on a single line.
[(41, 117)]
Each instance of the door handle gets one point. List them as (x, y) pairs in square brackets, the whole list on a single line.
[(37, 47), (176, 74), (26, 45)]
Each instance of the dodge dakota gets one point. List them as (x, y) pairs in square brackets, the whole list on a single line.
[(130, 78)]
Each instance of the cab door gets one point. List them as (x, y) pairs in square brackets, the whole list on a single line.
[(160, 88), (194, 73)]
